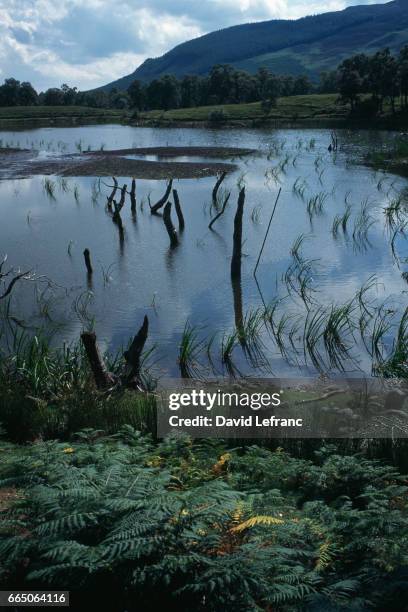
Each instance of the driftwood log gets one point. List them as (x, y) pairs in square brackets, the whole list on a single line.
[(160, 203), (179, 212), (171, 230), (221, 178), (237, 239)]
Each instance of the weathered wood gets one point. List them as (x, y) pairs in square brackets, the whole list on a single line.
[(171, 230), (103, 378), (116, 218), (237, 239), (179, 212), (160, 203), (17, 276), (122, 197), (216, 188), (133, 196), (224, 206), (112, 195), (134, 352), (87, 257)]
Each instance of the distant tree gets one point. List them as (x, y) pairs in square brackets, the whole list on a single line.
[(190, 91), (382, 77), (119, 99), (163, 93), (69, 94), (403, 75), (352, 78), (329, 82), (136, 94), (221, 80), (9, 92), (27, 96), (302, 85), (287, 85), (53, 97), (170, 92)]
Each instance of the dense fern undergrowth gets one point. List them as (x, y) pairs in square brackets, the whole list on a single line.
[(130, 524), (92, 503)]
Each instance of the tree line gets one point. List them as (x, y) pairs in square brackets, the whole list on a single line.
[(382, 75)]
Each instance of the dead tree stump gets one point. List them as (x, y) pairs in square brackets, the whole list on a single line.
[(216, 188), (171, 230), (160, 203), (237, 239), (87, 257), (103, 378), (122, 197), (134, 353), (179, 212), (112, 195), (224, 206), (133, 196)]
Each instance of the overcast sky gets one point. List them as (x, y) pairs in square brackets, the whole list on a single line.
[(91, 42)]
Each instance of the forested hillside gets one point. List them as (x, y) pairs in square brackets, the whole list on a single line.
[(305, 46)]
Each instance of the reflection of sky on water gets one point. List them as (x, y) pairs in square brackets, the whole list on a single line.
[(193, 283)]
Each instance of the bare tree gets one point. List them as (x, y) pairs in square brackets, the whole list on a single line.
[(9, 278)]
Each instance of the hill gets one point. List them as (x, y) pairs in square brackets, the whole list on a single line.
[(305, 46)]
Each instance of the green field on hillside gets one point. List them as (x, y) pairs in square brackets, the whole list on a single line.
[(290, 108)]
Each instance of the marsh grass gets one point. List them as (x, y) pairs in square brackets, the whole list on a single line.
[(299, 187), (228, 344), (341, 221), (315, 204), (362, 224), (190, 349), (48, 392), (397, 363), (49, 188)]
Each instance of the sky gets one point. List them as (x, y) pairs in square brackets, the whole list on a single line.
[(87, 43)]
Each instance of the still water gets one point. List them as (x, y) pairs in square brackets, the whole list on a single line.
[(138, 274)]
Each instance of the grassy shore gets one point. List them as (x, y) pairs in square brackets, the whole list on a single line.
[(316, 110), (291, 109), (20, 116)]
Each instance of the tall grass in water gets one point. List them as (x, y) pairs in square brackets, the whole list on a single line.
[(362, 223), (189, 351), (49, 188), (228, 344), (397, 363), (341, 221)]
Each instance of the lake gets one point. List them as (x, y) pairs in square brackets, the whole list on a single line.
[(331, 245)]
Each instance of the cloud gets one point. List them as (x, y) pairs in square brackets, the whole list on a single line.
[(90, 43)]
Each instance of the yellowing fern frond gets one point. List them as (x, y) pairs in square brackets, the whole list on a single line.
[(325, 555), (257, 520)]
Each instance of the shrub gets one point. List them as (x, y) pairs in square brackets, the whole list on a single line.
[(217, 117)]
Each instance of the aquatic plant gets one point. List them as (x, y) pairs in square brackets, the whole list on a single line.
[(49, 188), (190, 349)]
